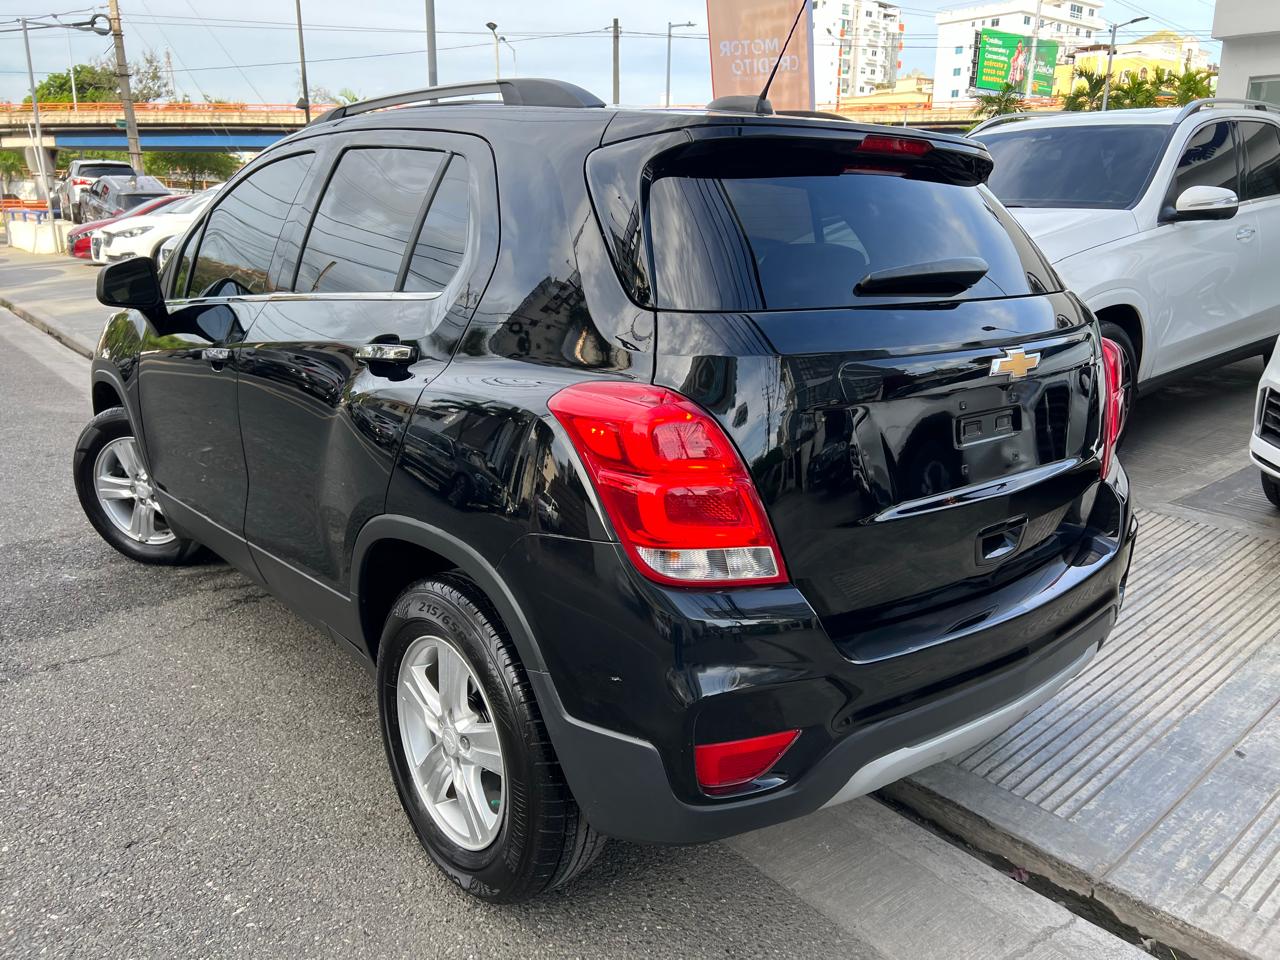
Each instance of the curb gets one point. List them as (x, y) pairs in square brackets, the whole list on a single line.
[(45, 326)]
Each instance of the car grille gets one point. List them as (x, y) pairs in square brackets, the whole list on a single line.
[(1269, 417), (95, 246)]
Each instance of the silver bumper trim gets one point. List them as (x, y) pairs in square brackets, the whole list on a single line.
[(908, 760)]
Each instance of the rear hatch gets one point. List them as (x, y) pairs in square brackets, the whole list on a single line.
[(914, 394)]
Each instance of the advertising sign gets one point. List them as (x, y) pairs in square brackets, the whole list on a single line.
[(746, 41), (1006, 58)]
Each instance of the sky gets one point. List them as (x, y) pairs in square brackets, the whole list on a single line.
[(246, 50)]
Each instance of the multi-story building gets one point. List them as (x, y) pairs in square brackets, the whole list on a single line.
[(1250, 35), (1162, 50), (857, 48), (1068, 24)]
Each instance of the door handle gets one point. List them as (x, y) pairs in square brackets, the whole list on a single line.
[(397, 353), (1245, 234)]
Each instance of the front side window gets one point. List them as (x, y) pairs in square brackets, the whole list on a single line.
[(371, 205), (1262, 158), (1208, 160), (1100, 167), (241, 233), (442, 243)]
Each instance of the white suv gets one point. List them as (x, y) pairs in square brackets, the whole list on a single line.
[(1166, 222)]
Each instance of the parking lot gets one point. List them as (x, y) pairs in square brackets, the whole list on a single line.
[(194, 771)]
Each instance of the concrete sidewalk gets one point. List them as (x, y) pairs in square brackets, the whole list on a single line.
[(55, 294)]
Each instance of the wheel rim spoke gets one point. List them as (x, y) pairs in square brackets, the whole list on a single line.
[(436, 773), (114, 488), (466, 786), (127, 454), (453, 682), (483, 747), (143, 524), (423, 698)]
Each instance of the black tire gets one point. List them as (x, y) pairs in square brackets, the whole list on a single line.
[(77, 215), (1271, 487), (543, 840), (112, 424)]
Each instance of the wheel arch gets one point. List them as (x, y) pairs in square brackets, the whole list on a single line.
[(1128, 318), (384, 545)]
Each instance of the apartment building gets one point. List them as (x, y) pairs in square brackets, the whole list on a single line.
[(857, 48), (1068, 24)]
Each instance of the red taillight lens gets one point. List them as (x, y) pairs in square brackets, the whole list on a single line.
[(675, 489), (731, 764), (903, 146), (81, 181), (1113, 400)]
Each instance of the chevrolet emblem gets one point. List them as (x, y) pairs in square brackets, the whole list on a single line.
[(1015, 363)]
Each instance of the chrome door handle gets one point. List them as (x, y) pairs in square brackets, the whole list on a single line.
[(217, 354), (387, 352), (1245, 233)]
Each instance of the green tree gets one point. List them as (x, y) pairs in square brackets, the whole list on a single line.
[(1086, 93), (13, 166), (96, 82), (1188, 86), (1005, 100), (194, 166)]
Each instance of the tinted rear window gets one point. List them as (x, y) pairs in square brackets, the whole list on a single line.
[(801, 242), (130, 200), (104, 170), (1103, 168)]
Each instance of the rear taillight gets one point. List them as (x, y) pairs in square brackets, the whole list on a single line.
[(721, 766), (900, 146), (675, 489), (1113, 407), (81, 181)]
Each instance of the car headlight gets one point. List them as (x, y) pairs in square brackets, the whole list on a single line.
[(135, 232)]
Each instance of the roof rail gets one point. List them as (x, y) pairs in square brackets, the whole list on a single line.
[(1195, 105), (516, 92), (1007, 117)]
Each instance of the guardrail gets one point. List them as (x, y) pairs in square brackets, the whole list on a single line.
[(158, 114)]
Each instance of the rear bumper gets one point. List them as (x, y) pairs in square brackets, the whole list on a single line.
[(624, 710)]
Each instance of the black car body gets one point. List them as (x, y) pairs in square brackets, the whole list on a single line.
[(951, 532)]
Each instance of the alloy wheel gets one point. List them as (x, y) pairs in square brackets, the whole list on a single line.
[(127, 494), (451, 743)]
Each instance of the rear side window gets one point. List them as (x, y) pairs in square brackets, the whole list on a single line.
[(366, 219), (241, 233), (1208, 160), (1262, 158), (443, 240), (802, 242)]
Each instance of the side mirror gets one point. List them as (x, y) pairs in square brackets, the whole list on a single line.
[(1205, 203), (132, 283)]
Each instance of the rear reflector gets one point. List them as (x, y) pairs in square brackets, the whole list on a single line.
[(672, 483), (735, 762), (1114, 401)]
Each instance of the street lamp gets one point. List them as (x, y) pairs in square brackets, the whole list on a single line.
[(1111, 52), (515, 64), (670, 27), (497, 63)]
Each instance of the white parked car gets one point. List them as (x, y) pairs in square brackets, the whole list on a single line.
[(1264, 445), (1166, 222), (143, 236)]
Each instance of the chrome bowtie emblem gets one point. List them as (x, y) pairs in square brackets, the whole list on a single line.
[(1015, 363)]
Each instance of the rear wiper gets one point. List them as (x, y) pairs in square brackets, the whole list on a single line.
[(944, 277)]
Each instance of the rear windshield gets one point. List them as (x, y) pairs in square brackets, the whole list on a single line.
[(1102, 168), (130, 200), (803, 242), (105, 170)]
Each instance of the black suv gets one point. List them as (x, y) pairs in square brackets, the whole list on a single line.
[(676, 472)]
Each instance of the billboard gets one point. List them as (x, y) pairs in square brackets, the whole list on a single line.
[(1006, 58), (746, 41)]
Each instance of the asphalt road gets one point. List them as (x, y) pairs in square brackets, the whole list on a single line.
[(190, 770)]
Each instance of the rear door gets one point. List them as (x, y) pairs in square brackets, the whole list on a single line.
[(916, 441), (1261, 140), (188, 369), (384, 252)]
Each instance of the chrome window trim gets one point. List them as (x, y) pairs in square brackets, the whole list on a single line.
[(290, 295)]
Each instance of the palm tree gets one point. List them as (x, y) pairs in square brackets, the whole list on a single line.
[(1005, 100), (1087, 96), (1188, 86)]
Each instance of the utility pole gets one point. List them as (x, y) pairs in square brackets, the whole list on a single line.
[(1031, 61), (497, 58), (302, 62), (670, 27), (35, 115), (71, 72), (617, 35), (1111, 52), (126, 96), (431, 43)]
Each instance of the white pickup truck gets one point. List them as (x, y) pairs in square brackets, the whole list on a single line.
[(1165, 222)]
